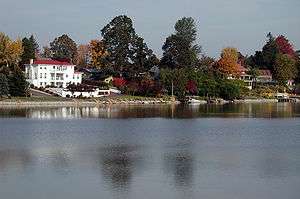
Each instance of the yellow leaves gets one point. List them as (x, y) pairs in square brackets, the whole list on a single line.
[(228, 62), (97, 53), (10, 51)]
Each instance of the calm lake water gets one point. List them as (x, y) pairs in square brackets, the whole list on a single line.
[(144, 152)]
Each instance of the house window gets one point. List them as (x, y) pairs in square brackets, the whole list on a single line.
[(45, 68), (41, 75), (35, 75), (77, 77), (66, 76), (41, 68), (45, 75), (53, 67), (41, 84)]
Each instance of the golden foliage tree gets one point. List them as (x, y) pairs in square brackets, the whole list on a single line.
[(227, 64), (98, 54), (10, 51)]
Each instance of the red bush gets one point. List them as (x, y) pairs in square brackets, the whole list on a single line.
[(119, 82)]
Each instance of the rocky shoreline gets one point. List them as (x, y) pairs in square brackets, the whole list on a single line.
[(80, 103), (97, 102)]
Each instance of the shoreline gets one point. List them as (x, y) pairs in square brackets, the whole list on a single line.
[(99, 102)]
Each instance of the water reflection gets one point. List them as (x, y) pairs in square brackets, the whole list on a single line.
[(15, 159), (180, 166), (266, 110), (118, 165)]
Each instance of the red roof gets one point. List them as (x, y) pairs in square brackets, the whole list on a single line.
[(241, 68), (51, 62)]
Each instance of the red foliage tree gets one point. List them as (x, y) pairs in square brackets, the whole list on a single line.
[(284, 46), (191, 87), (119, 82)]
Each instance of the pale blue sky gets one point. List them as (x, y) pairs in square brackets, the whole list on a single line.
[(239, 23)]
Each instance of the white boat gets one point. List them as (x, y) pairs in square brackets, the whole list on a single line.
[(193, 101)]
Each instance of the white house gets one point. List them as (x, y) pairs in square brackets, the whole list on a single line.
[(48, 72), (92, 93)]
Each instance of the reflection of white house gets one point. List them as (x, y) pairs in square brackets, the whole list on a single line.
[(48, 72)]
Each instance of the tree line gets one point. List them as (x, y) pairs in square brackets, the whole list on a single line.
[(124, 52)]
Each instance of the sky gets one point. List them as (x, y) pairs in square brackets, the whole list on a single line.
[(220, 23)]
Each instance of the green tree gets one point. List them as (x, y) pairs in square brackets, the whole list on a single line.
[(231, 89), (118, 37), (18, 86), (284, 68), (177, 77), (180, 49), (269, 52), (4, 88), (126, 51), (143, 57), (30, 47), (64, 47)]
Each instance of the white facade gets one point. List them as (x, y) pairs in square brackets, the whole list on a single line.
[(96, 93), (42, 73)]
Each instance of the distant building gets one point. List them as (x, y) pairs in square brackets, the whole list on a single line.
[(264, 76), (244, 76), (48, 72)]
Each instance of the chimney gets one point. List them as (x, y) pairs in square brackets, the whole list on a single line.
[(31, 61)]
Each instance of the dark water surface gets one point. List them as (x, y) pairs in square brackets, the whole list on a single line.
[(232, 151)]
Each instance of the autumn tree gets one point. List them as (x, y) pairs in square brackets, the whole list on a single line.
[(98, 54), (284, 46), (180, 49), (30, 47), (10, 51), (64, 47), (284, 68), (83, 55), (227, 64)]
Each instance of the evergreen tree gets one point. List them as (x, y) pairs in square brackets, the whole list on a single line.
[(18, 86), (180, 49), (126, 51), (269, 52), (4, 88), (118, 37), (30, 47), (64, 47)]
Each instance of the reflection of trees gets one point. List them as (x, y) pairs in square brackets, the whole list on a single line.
[(181, 167), (60, 161), (14, 159), (118, 164), (266, 110)]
